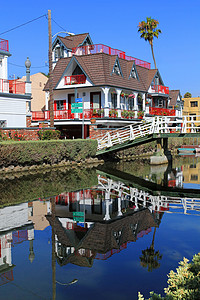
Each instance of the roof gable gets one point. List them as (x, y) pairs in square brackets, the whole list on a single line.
[(73, 41)]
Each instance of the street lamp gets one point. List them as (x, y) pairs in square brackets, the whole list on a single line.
[(70, 33)]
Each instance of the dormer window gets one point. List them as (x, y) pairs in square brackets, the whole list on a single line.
[(133, 73), (116, 68), (59, 52)]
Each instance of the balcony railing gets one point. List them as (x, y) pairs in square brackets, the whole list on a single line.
[(4, 45), (100, 48), (157, 111), (75, 79), (160, 89), (88, 114), (12, 86)]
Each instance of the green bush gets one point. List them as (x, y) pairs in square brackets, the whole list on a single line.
[(184, 284), (49, 134), (38, 152)]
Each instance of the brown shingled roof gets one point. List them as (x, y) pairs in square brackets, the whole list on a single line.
[(73, 41), (99, 238), (173, 95), (98, 68)]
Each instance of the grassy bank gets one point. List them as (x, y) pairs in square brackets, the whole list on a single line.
[(27, 153)]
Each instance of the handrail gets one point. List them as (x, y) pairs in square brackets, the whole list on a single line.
[(147, 127)]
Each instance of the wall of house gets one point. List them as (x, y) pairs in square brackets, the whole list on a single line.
[(13, 110), (63, 95), (3, 68)]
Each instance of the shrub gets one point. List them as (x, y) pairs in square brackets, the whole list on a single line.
[(183, 284), (49, 134), (39, 152)]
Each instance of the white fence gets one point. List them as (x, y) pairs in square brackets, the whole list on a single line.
[(149, 126)]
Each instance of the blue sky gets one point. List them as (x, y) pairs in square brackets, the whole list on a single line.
[(113, 23)]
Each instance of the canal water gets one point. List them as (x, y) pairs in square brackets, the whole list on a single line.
[(98, 233)]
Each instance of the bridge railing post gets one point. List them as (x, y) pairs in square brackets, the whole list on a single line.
[(132, 137), (109, 140), (184, 126)]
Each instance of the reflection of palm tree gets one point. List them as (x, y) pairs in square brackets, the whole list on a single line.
[(150, 258)]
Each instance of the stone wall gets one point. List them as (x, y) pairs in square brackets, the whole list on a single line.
[(26, 134), (95, 132)]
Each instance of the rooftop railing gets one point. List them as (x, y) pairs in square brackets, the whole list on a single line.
[(160, 89), (4, 45), (12, 86), (100, 48)]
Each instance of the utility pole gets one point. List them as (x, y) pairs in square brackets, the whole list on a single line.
[(50, 72)]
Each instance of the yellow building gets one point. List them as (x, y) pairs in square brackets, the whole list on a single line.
[(38, 81), (191, 173), (192, 108)]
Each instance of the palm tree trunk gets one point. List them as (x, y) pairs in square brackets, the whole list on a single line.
[(153, 55)]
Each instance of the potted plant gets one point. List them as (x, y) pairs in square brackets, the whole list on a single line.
[(100, 112), (140, 114), (94, 112), (124, 113), (131, 114)]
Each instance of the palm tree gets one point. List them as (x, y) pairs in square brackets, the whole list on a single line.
[(148, 30), (150, 258)]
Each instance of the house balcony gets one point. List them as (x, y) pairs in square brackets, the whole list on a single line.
[(157, 111), (4, 45), (160, 89), (75, 79), (100, 48), (88, 114), (12, 86)]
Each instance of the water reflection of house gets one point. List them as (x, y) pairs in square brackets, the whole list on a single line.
[(191, 172), (15, 228), (37, 211), (98, 240)]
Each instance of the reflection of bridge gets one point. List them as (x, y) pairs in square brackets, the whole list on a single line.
[(146, 131), (114, 186)]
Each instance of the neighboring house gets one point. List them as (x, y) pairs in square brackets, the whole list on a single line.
[(192, 109), (38, 100), (176, 102), (14, 94), (116, 89)]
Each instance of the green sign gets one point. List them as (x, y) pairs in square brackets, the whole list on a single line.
[(76, 110), (78, 216), (77, 105)]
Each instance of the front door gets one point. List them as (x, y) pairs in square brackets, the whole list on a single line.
[(95, 100), (71, 99)]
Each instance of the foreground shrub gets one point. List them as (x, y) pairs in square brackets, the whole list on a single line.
[(49, 152), (49, 134), (184, 284)]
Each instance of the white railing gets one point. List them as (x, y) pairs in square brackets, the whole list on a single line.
[(149, 126), (154, 203)]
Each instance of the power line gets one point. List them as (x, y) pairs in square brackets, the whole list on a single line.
[(23, 24), (58, 24), (24, 66)]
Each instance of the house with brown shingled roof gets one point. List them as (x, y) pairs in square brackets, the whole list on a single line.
[(175, 101), (114, 89)]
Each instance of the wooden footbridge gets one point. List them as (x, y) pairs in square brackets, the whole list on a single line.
[(172, 200), (147, 130)]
